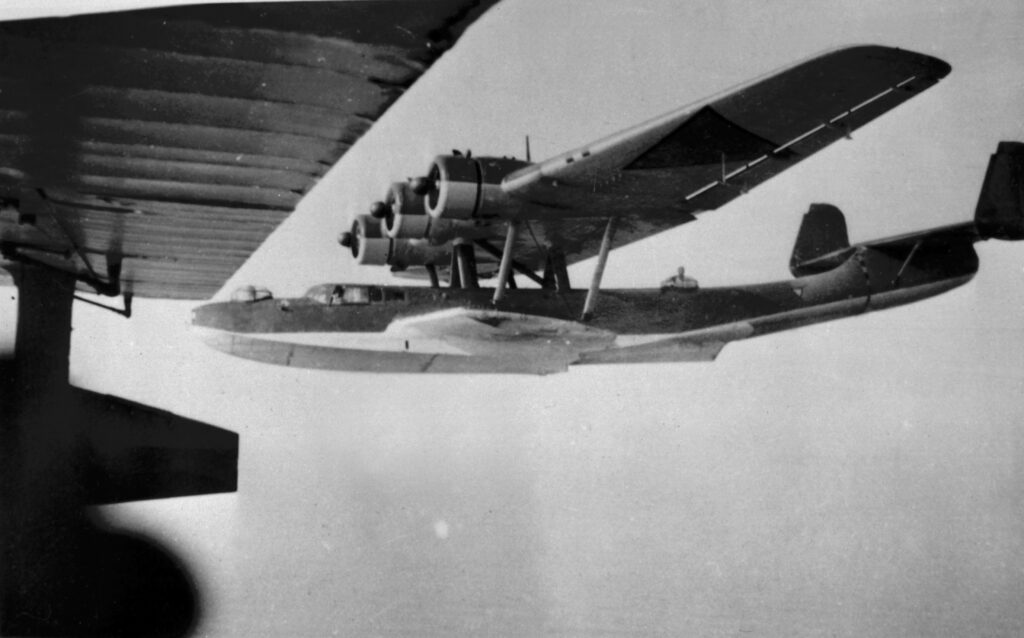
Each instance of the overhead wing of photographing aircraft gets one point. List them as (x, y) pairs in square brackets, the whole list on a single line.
[(147, 154), (153, 151)]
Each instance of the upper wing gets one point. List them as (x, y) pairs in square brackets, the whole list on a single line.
[(702, 156), (169, 143)]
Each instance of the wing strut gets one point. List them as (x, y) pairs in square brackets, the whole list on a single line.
[(602, 259), (466, 262), (906, 262), (463, 268), (435, 282), (505, 268)]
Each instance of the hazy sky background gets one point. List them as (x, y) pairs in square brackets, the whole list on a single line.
[(863, 477)]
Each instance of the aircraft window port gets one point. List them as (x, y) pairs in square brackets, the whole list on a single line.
[(251, 294), (680, 281), (585, 154), (387, 294), (569, 160), (355, 295), (325, 295), (338, 295)]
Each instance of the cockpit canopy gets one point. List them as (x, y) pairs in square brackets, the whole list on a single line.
[(351, 294), (251, 294)]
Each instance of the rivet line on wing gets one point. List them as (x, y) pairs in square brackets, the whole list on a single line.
[(749, 165)]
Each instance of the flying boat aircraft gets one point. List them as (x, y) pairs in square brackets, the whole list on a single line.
[(471, 218), (547, 329)]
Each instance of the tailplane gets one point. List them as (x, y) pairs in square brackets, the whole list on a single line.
[(822, 243), (1000, 213)]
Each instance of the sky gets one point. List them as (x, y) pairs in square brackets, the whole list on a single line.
[(858, 478)]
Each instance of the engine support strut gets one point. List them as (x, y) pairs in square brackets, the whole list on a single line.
[(556, 274), (602, 259), (466, 261), (505, 268)]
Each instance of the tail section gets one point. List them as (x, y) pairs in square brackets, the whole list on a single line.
[(822, 243), (1000, 213)]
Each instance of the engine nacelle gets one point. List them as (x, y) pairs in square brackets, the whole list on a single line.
[(417, 252), (461, 187), (366, 242), (405, 216), (370, 248)]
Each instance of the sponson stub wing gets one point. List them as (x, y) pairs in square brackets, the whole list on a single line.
[(477, 331), (454, 340), (661, 173)]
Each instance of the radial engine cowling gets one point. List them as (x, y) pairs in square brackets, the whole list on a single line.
[(461, 187), (365, 240), (406, 218), (405, 214), (369, 248)]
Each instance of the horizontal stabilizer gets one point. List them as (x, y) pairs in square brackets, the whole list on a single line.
[(953, 233), (136, 452), (999, 214)]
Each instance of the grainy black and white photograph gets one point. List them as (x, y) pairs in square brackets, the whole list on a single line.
[(512, 318)]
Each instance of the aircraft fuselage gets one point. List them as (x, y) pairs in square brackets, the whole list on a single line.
[(390, 328)]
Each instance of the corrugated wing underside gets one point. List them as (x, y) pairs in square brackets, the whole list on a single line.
[(175, 140)]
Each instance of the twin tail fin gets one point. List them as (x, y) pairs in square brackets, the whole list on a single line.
[(823, 243)]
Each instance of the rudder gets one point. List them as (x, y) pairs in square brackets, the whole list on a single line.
[(821, 242), (1000, 213)]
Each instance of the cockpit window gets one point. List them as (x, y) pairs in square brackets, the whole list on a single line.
[(351, 294), (355, 294), (251, 294), (319, 295)]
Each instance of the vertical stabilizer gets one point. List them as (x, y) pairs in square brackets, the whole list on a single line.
[(821, 241), (1000, 213)]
